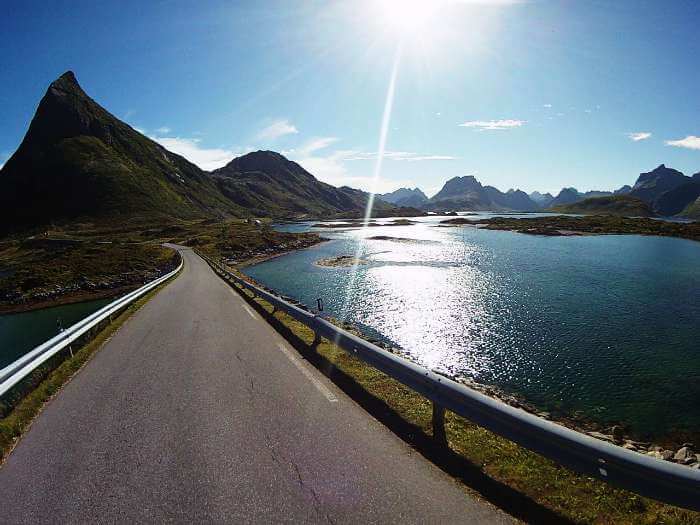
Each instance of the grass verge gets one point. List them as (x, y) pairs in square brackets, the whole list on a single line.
[(39, 391), (524, 484)]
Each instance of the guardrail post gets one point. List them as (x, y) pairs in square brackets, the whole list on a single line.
[(439, 434), (316, 341)]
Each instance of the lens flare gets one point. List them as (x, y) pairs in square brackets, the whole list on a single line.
[(407, 16), (383, 133)]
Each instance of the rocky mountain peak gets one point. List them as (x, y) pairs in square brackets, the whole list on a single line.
[(264, 161)]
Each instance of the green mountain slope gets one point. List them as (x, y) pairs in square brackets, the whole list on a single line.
[(77, 161), (693, 210), (268, 184), (620, 205)]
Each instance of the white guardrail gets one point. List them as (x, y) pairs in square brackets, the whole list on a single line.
[(15, 372), (657, 479)]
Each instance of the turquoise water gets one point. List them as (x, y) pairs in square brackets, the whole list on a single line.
[(19, 333), (604, 326)]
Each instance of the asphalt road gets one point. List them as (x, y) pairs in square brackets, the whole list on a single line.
[(197, 411)]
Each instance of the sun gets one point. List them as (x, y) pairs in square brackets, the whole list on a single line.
[(408, 16)]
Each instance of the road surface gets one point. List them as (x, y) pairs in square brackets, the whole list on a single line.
[(197, 411)]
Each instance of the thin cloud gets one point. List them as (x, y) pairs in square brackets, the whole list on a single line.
[(639, 135), (491, 125), (277, 129), (330, 166), (396, 155), (206, 158), (546, 105), (316, 144), (690, 142), (164, 130)]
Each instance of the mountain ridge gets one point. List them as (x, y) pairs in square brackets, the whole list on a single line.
[(78, 161), (405, 197), (468, 193), (266, 182)]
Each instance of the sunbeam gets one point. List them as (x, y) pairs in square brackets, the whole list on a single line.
[(383, 133)]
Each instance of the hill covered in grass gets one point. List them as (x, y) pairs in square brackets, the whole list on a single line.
[(79, 162), (618, 205), (270, 185), (693, 210)]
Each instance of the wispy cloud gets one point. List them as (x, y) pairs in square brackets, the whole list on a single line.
[(639, 135), (491, 125), (396, 155), (316, 144), (546, 105), (191, 148), (329, 166), (690, 142), (277, 129), (164, 130)]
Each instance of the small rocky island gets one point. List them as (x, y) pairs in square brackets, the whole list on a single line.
[(563, 225), (341, 261)]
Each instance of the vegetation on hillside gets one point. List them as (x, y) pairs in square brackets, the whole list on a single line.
[(78, 161), (620, 205), (40, 272), (693, 210), (90, 261)]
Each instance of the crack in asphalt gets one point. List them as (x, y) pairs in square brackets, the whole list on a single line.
[(276, 457)]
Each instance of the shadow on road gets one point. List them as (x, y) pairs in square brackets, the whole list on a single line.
[(506, 498)]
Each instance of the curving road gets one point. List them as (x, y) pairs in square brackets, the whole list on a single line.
[(197, 411)]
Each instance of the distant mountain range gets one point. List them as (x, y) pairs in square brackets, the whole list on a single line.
[(79, 162), (467, 193), (405, 197), (662, 191)]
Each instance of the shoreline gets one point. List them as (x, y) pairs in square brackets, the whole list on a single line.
[(267, 257), (665, 447), (66, 299), (571, 226)]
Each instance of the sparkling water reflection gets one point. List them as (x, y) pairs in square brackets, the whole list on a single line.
[(608, 326)]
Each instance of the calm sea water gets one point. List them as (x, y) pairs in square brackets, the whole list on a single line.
[(19, 333), (607, 326)]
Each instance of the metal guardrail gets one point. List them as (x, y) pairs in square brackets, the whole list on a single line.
[(657, 479), (15, 372)]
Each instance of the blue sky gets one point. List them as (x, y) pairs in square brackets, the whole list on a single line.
[(532, 94)]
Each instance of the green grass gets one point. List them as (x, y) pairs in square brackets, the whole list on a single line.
[(525, 484), (42, 269), (238, 240), (46, 381), (620, 205)]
